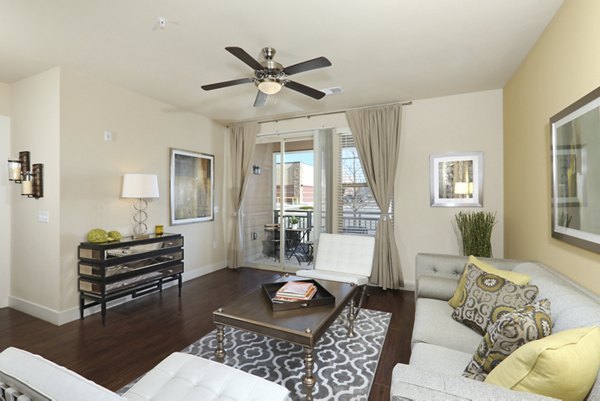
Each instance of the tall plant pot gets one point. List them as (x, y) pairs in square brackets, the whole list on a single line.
[(475, 230)]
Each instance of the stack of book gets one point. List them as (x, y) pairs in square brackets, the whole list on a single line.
[(294, 291)]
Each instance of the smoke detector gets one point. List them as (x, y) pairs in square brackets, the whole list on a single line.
[(334, 90)]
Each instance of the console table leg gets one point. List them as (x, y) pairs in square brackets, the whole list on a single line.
[(309, 380), (220, 351), (179, 283), (351, 317), (81, 306)]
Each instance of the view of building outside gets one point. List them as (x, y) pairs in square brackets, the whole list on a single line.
[(299, 179)]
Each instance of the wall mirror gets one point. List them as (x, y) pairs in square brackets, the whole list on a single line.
[(456, 179), (575, 154)]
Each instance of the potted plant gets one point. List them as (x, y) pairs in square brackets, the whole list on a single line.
[(293, 221), (476, 232)]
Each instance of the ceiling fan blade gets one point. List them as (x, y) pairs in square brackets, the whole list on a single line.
[(313, 64), (305, 90), (226, 84), (261, 99), (245, 57)]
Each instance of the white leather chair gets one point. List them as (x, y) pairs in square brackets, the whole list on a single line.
[(344, 258), (28, 377)]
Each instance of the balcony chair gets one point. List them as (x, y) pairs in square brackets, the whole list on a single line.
[(346, 259)]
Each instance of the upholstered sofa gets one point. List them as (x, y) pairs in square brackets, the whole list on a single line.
[(28, 377), (442, 347)]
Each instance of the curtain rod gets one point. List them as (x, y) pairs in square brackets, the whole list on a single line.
[(327, 113)]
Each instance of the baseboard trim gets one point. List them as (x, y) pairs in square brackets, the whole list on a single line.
[(33, 309), (61, 317)]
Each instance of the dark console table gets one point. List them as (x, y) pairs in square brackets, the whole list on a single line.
[(131, 266)]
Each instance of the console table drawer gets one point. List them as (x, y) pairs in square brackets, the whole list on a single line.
[(107, 252), (101, 271), (100, 288)]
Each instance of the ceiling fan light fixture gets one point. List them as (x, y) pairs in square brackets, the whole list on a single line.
[(269, 86)]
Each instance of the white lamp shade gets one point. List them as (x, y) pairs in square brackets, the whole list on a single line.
[(140, 186)]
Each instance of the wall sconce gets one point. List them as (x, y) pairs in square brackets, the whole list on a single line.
[(256, 169), (32, 181)]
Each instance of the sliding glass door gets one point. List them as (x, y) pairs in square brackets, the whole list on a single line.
[(284, 202)]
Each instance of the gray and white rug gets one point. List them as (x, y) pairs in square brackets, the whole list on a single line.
[(344, 367)]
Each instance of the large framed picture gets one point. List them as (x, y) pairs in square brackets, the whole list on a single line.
[(191, 187), (456, 179), (575, 157)]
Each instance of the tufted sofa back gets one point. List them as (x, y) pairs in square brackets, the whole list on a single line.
[(437, 275)]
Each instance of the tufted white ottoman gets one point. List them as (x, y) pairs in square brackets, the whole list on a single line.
[(180, 377), (184, 377)]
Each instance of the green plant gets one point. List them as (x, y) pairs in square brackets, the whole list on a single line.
[(476, 232), (293, 220)]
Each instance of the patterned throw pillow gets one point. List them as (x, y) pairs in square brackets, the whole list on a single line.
[(510, 331), (489, 297)]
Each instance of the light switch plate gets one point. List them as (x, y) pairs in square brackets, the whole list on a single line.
[(43, 216)]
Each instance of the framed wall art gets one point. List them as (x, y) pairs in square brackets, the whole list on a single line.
[(575, 158), (191, 187), (456, 179)]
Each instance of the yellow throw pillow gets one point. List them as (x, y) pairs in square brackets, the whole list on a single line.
[(460, 293), (564, 365)]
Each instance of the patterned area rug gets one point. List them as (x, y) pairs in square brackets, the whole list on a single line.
[(344, 367)]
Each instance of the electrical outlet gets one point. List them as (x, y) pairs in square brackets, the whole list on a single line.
[(214, 244), (108, 136)]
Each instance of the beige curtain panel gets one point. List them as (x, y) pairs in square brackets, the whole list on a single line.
[(243, 139), (376, 133)]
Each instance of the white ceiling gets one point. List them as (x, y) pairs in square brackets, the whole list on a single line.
[(382, 51)]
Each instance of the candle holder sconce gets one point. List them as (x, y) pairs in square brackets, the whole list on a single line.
[(31, 180)]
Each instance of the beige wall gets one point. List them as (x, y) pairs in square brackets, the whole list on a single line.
[(61, 117), (5, 194), (462, 123), (5, 212), (4, 99), (562, 67), (35, 268)]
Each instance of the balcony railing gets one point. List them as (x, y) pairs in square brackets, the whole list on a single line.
[(359, 222), (363, 222)]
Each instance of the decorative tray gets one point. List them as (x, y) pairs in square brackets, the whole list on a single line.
[(321, 297)]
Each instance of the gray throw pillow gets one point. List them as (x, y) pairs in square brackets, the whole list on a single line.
[(510, 331), (489, 297)]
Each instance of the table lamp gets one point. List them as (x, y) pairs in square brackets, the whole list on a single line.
[(140, 187)]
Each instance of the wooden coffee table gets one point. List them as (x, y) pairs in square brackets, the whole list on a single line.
[(304, 326)]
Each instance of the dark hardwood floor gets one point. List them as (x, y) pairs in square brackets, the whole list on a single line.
[(141, 333)]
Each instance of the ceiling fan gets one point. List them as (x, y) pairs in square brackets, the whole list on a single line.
[(270, 76)]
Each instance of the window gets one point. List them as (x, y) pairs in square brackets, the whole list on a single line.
[(358, 212)]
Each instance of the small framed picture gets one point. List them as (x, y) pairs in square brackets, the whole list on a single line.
[(456, 179), (192, 187)]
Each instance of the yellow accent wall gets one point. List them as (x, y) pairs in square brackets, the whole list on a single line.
[(563, 66)]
